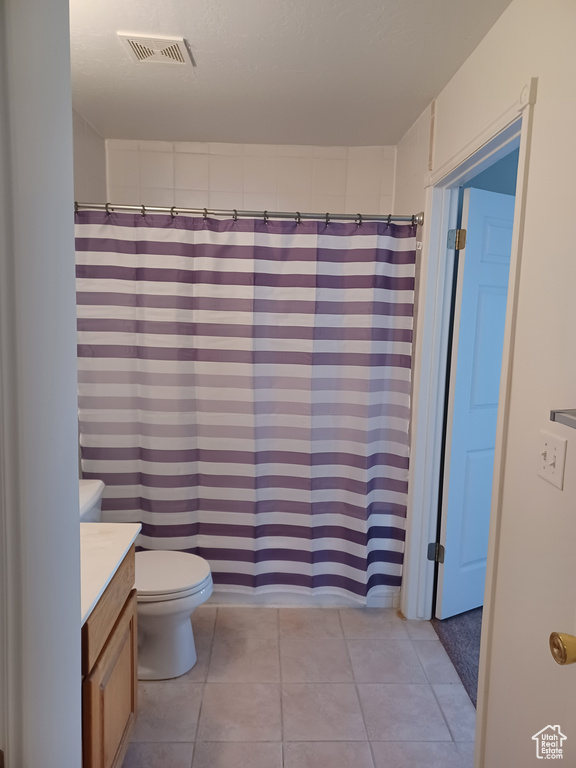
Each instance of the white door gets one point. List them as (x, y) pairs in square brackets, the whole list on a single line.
[(480, 312)]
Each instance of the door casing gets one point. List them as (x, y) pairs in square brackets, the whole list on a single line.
[(494, 142)]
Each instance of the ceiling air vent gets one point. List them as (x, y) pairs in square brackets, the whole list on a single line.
[(156, 50)]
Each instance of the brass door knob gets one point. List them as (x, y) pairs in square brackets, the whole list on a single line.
[(563, 648)]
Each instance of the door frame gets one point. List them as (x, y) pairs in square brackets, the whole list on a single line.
[(430, 360)]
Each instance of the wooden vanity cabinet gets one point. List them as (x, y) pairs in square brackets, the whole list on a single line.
[(110, 671)]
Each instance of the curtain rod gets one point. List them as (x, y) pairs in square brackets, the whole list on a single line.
[(174, 211)]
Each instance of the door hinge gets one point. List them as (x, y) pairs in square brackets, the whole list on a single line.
[(436, 552), (456, 239)]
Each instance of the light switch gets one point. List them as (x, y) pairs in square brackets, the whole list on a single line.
[(552, 458)]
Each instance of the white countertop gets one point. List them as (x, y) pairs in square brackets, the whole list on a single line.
[(102, 549)]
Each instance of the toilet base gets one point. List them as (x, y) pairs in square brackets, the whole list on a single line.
[(165, 639), (164, 653)]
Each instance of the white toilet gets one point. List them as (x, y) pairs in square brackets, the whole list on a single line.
[(170, 586)]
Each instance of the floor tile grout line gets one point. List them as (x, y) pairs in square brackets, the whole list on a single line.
[(194, 746), (211, 651), (211, 646), (356, 688), (283, 742), (435, 682), (422, 667), (459, 685), (204, 683), (384, 640), (425, 680), (459, 755), (428, 683), (441, 708), (280, 686)]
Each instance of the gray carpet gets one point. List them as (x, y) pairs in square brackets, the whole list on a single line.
[(460, 636)]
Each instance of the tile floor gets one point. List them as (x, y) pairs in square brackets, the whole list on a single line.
[(307, 688)]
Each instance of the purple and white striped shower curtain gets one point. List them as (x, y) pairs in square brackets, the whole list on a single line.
[(244, 392)]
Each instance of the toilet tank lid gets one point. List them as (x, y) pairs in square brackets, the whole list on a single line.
[(90, 492), (164, 571)]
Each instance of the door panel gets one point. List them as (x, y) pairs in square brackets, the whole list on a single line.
[(485, 376), (474, 535), (473, 399)]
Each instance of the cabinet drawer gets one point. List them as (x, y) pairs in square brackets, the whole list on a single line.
[(101, 621)]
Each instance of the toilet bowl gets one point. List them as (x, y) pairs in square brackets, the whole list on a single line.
[(170, 586)]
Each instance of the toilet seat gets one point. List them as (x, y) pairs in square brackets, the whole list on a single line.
[(169, 575)]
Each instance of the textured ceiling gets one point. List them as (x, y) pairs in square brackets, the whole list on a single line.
[(325, 72)]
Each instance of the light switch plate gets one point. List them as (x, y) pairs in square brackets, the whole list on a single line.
[(552, 458)]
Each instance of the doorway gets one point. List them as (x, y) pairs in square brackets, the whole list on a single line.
[(480, 286), (489, 172), (485, 212)]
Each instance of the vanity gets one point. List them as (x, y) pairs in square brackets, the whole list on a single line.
[(109, 641)]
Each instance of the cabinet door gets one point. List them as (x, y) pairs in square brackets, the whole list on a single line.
[(109, 694)]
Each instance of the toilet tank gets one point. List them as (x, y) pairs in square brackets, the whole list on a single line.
[(90, 500)]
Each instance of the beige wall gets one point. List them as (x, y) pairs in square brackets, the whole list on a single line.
[(527, 691), (40, 557), (412, 156), (89, 162), (538, 537)]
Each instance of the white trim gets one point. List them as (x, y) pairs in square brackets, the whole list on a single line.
[(383, 597), (449, 402), (487, 154), (488, 133), (430, 357), (10, 614), (431, 348), (502, 425)]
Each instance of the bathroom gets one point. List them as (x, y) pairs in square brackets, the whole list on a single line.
[(262, 176), (320, 650), (38, 305)]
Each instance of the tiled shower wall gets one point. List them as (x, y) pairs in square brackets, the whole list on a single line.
[(251, 176)]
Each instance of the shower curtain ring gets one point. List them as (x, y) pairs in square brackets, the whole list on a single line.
[(359, 220), (173, 212), (108, 209), (298, 217), (389, 219), (76, 207), (265, 217), (327, 218), (413, 219), (235, 214), (205, 214), (143, 211)]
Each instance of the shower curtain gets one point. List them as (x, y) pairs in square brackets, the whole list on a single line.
[(244, 392)]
